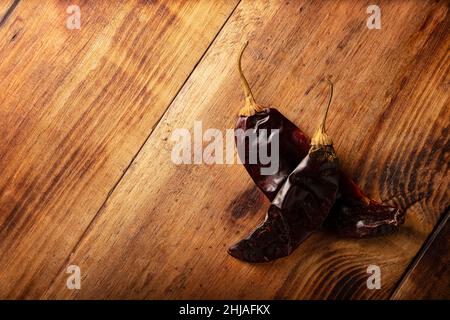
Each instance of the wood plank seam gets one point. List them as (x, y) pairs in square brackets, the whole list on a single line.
[(420, 254), (9, 12), (85, 232)]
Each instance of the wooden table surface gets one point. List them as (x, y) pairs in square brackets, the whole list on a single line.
[(86, 118)]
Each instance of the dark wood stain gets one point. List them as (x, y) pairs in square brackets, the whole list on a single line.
[(246, 204)]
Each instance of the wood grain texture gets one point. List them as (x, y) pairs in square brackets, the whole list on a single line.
[(429, 276), (76, 106), (6, 9), (164, 231)]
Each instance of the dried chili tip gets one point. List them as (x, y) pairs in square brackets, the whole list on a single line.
[(357, 216), (251, 107), (244, 251), (373, 220), (369, 227), (269, 241), (236, 251)]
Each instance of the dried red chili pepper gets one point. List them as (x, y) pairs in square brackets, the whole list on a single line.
[(293, 146), (301, 205), (353, 215)]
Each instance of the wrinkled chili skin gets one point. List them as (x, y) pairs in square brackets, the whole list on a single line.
[(299, 208), (293, 147), (353, 215)]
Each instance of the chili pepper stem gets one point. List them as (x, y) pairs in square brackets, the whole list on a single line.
[(320, 138), (251, 107)]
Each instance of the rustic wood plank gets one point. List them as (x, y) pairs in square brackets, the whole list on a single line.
[(429, 276), (164, 231), (76, 106), (6, 10)]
